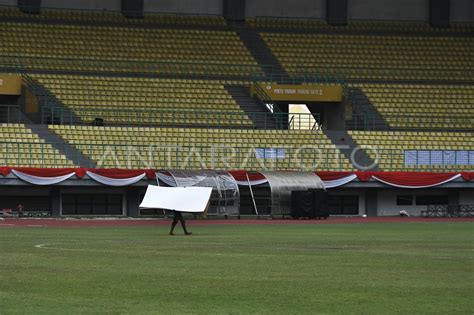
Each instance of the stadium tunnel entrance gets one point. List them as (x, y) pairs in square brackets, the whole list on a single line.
[(313, 115), (11, 91), (308, 106)]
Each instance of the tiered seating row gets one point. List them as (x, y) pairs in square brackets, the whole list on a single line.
[(77, 44), (217, 148), (375, 57), (132, 100), (422, 105)]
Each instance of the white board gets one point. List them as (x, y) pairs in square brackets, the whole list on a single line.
[(183, 199)]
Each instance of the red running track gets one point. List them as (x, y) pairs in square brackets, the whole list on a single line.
[(60, 223)]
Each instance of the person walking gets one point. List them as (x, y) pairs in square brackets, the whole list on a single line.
[(178, 216)]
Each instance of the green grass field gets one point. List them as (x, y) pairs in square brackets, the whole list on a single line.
[(407, 268)]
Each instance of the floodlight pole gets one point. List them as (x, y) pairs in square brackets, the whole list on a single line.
[(251, 193)]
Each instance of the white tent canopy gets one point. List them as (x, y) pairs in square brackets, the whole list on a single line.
[(282, 183), (225, 197), (183, 199)]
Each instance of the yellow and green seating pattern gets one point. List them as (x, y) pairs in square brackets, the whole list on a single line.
[(132, 147), (388, 147), (134, 100), (423, 106), (124, 49), (19, 146), (374, 56)]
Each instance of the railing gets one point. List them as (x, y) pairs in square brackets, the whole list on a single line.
[(219, 156), (35, 154), (364, 25), (183, 118), (394, 73), (449, 211), (10, 114), (334, 75), (265, 98), (302, 75), (412, 122), (201, 69)]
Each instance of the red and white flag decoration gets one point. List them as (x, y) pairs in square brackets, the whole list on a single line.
[(43, 177), (115, 179), (411, 180), (121, 177)]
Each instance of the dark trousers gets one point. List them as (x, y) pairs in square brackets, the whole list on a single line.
[(178, 216)]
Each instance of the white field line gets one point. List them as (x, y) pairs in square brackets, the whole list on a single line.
[(49, 246)]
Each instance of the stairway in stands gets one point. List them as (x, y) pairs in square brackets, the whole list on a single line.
[(365, 115), (348, 147), (258, 113), (261, 52), (52, 110), (62, 146)]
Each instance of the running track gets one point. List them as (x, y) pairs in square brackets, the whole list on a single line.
[(60, 223)]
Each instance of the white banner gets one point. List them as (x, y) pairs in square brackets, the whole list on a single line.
[(183, 199)]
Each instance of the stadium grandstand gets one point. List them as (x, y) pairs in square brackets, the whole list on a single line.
[(99, 99)]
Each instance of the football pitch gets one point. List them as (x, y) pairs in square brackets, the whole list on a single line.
[(403, 268)]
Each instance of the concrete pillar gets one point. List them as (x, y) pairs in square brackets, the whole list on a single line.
[(453, 196), (55, 196), (133, 201), (371, 202)]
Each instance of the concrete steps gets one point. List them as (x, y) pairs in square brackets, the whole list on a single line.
[(350, 148), (62, 146), (260, 115), (365, 115), (261, 52)]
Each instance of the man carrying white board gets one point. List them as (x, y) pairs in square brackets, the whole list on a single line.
[(177, 216), (177, 199)]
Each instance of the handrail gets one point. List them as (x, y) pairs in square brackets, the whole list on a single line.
[(395, 73), (10, 113), (265, 98), (291, 122), (252, 72), (19, 63), (175, 117), (354, 24), (302, 75), (419, 122)]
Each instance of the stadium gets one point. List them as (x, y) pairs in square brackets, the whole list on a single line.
[(357, 110)]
